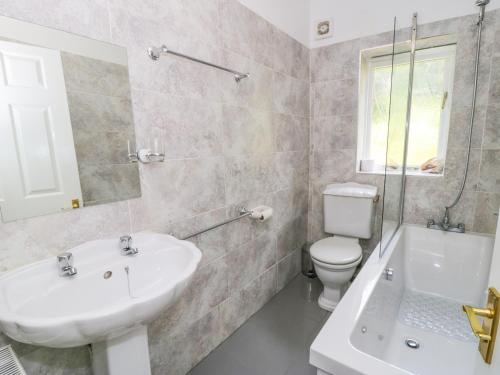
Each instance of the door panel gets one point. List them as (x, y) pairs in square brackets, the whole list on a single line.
[(38, 167), (23, 71), (33, 128)]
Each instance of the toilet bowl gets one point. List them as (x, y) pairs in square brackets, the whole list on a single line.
[(335, 260)]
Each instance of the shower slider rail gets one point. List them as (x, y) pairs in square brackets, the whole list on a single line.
[(156, 52), (243, 213)]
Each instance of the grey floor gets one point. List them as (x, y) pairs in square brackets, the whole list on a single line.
[(276, 340)]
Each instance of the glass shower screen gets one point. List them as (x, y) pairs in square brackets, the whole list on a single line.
[(397, 118)]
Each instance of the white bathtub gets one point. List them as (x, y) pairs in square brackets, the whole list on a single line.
[(434, 274)]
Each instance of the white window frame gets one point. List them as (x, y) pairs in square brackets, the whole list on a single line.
[(367, 68)]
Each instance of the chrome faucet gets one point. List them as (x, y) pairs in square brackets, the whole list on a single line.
[(389, 273), (445, 224), (65, 263), (126, 246)]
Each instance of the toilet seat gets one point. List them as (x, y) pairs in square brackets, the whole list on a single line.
[(337, 252), (337, 267)]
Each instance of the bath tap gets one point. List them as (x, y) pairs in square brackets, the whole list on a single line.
[(445, 224), (65, 263), (126, 246), (446, 227)]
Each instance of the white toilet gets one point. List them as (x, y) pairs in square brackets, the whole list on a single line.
[(348, 212)]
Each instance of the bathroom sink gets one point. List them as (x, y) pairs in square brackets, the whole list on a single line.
[(110, 296)]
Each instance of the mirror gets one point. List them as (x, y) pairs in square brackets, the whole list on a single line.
[(65, 122)]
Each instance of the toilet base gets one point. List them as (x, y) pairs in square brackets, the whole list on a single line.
[(331, 296), (325, 303)]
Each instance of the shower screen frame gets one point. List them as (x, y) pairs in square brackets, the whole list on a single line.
[(388, 229)]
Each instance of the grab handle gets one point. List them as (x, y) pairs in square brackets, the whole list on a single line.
[(485, 330), (477, 327)]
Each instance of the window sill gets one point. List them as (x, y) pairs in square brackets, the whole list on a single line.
[(398, 172)]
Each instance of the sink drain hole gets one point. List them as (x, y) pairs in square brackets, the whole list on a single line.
[(412, 343)]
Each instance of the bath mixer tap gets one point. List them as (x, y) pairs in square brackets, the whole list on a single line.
[(445, 224), (126, 246), (65, 263)]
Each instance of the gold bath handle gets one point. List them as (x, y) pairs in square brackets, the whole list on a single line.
[(475, 324), (486, 329)]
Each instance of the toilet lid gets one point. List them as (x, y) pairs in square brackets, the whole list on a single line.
[(336, 250)]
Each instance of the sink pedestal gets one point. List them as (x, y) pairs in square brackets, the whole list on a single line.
[(124, 355)]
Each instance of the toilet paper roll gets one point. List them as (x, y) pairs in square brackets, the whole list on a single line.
[(261, 213)]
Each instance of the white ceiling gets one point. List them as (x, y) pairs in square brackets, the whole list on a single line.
[(354, 19), (291, 16)]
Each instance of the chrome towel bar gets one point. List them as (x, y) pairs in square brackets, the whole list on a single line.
[(156, 52), (243, 213)]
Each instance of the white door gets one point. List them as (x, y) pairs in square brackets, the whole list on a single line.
[(481, 368), (38, 167)]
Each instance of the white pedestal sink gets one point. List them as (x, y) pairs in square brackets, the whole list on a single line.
[(108, 303)]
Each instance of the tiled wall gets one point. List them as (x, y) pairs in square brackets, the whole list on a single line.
[(102, 123), (334, 90), (227, 145)]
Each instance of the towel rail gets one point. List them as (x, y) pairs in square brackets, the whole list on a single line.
[(243, 213), (156, 52)]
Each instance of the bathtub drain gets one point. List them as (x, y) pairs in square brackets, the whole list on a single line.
[(412, 343)]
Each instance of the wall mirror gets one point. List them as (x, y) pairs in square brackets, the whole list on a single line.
[(65, 121)]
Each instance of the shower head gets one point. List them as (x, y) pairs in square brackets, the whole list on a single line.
[(482, 7), (482, 3)]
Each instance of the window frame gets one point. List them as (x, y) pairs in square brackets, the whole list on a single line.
[(367, 68)]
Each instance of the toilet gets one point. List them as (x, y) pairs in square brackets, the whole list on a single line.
[(348, 213)]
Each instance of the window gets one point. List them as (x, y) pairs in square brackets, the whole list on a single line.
[(430, 116)]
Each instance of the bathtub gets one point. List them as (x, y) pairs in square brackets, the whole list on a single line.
[(377, 326)]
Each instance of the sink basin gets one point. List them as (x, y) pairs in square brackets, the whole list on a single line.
[(111, 296)]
